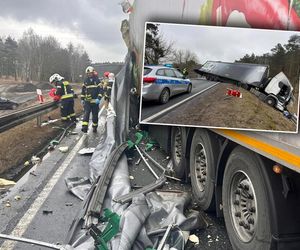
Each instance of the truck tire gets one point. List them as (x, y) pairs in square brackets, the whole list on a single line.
[(245, 201), (164, 96), (203, 161), (270, 101), (177, 158)]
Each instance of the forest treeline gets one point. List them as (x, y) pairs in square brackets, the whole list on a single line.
[(36, 58), (285, 58)]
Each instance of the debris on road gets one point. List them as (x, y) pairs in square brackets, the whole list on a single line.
[(144, 190), (47, 212), (6, 183), (26, 163), (33, 173), (34, 242), (35, 160), (63, 149), (138, 161), (17, 197), (49, 122), (86, 151), (193, 238)]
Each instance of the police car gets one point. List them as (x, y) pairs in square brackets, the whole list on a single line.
[(162, 82)]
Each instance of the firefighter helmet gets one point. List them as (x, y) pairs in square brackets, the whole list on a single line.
[(111, 76), (106, 74), (55, 77), (89, 69)]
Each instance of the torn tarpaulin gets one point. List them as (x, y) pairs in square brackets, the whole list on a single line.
[(79, 186), (144, 222)]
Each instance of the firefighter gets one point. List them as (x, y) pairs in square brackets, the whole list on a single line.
[(65, 94), (107, 84), (185, 72), (90, 98)]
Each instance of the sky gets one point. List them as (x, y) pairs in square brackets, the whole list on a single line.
[(223, 43), (93, 23)]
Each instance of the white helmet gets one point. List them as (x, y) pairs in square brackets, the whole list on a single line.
[(55, 77), (89, 69), (111, 76)]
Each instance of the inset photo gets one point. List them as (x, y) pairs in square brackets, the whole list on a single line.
[(220, 77)]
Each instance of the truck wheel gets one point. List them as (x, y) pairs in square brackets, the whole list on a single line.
[(270, 101), (203, 161), (245, 201), (176, 151), (164, 96)]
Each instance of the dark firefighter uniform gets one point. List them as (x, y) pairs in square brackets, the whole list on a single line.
[(91, 91), (66, 94)]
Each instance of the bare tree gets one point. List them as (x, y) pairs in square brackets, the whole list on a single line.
[(157, 48)]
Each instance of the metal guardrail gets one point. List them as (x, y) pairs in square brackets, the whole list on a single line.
[(16, 118)]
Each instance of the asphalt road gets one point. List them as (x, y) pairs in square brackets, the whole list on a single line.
[(150, 108), (54, 216)]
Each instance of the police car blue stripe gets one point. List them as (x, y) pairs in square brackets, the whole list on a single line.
[(170, 81)]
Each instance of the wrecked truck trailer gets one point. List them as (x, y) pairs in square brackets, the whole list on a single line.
[(252, 179), (276, 91)]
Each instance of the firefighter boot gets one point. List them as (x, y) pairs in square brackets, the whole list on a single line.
[(84, 129)]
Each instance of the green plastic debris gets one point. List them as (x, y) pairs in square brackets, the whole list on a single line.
[(150, 145), (54, 142), (111, 229), (130, 144), (139, 137)]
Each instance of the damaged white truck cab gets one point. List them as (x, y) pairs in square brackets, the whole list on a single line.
[(250, 178), (276, 91), (279, 91)]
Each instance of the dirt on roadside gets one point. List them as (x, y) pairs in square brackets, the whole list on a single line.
[(213, 108), (22, 142)]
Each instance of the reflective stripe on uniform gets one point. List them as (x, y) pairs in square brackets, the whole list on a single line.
[(73, 114), (64, 118), (95, 124), (67, 96), (85, 123), (91, 86)]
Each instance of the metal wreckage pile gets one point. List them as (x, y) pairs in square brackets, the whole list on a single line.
[(113, 215)]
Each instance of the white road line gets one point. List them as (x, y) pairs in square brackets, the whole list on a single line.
[(27, 218), (176, 105)]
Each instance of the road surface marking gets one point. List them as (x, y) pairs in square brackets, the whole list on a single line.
[(161, 113), (27, 218)]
